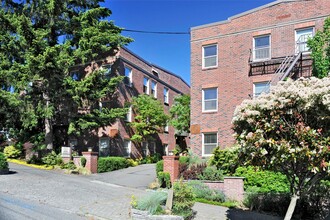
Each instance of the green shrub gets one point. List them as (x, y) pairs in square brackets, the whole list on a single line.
[(152, 202), (107, 164), (3, 161), (159, 167), (34, 160), (265, 181), (211, 173), (70, 165), (225, 159), (202, 191), (52, 159), (183, 159), (12, 152), (164, 179), (83, 161), (132, 163), (183, 200)]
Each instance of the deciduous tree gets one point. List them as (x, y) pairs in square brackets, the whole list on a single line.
[(288, 131), (180, 114)]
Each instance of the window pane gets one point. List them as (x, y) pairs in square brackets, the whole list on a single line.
[(127, 144), (261, 41), (210, 105), (210, 138), (210, 61), (260, 88), (210, 50), (208, 149), (210, 94)]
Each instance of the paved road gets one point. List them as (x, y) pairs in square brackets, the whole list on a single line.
[(66, 194)]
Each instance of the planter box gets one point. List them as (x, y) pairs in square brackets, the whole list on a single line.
[(4, 171), (144, 215)]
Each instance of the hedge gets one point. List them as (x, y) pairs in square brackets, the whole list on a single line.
[(107, 164)]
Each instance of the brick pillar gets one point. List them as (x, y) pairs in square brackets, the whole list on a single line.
[(171, 165), (234, 188), (91, 161)]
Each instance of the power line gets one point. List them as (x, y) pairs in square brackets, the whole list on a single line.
[(155, 32)]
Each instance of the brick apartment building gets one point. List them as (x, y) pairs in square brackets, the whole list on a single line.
[(141, 77), (241, 57)]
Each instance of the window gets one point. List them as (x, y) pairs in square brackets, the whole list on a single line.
[(129, 115), (127, 148), (128, 76), (210, 56), (145, 150), (73, 142), (76, 76), (302, 36), (210, 99), (145, 85), (210, 141), (166, 95), (104, 143), (152, 148), (107, 72), (154, 89), (261, 48), (166, 128), (260, 87), (165, 149)]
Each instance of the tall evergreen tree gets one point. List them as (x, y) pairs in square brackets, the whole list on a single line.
[(39, 41)]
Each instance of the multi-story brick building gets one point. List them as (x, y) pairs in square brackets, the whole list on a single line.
[(141, 77), (241, 57)]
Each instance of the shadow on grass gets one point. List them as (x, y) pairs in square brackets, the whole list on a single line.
[(239, 214)]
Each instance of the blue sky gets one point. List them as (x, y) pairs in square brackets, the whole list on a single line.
[(172, 52)]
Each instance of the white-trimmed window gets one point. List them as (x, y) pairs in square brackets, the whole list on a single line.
[(128, 76), (154, 89), (210, 56), (166, 95), (129, 115), (107, 69), (302, 35), (261, 48), (260, 87), (127, 148), (166, 128), (210, 99), (148, 148), (210, 142), (146, 85), (166, 149), (104, 143)]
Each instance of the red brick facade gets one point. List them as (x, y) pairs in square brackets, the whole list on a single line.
[(113, 138), (235, 72)]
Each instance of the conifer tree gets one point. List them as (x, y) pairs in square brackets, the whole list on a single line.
[(39, 41)]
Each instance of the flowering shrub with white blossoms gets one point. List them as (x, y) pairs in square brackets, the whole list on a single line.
[(288, 130)]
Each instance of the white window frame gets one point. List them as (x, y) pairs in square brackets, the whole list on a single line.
[(129, 76), (270, 47), (297, 48), (203, 100), (129, 147), (254, 88), (166, 128), (203, 144), (129, 115), (153, 90), (146, 85), (166, 95), (203, 56)]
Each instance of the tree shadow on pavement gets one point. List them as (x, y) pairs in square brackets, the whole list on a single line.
[(238, 214)]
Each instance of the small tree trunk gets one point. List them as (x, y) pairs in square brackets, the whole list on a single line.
[(48, 127), (291, 207)]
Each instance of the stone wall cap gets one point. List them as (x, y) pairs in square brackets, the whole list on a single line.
[(233, 177), (171, 157)]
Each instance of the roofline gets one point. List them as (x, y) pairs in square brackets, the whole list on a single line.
[(242, 14), (154, 65)]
